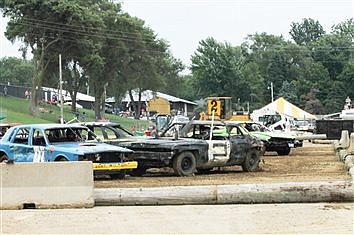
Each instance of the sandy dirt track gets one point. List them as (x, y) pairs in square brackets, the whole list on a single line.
[(316, 218), (313, 162)]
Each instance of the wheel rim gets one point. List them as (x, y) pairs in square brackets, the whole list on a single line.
[(252, 159), (186, 163)]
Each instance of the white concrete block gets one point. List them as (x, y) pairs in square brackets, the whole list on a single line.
[(46, 185)]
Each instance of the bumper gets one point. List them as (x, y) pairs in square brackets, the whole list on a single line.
[(98, 167), (275, 146)]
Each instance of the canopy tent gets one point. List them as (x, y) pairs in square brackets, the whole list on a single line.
[(284, 107)]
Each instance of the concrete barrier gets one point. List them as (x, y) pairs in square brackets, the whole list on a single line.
[(350, 150), (292, 192), (343, 142), (46, 185)]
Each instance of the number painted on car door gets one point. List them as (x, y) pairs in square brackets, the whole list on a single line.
[(219, 150)]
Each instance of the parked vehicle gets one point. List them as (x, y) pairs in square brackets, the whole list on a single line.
[(277, 141), (4, 127), (187, 150), (56, 142)]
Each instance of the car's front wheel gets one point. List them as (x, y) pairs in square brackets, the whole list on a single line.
[(3, 157), (251, 161), (184, 164)]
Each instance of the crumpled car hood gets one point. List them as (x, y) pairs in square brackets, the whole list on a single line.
[(267, 135), (86, 148)]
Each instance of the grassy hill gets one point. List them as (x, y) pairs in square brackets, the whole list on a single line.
[(17, 110)]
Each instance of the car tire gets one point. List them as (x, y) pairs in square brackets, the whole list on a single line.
[(184, 164), (138, 171), (251, 162), (3, 157), (120, 175), (284, 151), (61, 159)]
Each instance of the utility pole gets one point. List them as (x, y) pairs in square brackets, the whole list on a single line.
[(271, 91), (61, 92)]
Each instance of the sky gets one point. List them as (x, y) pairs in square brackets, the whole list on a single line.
[(184, 23)]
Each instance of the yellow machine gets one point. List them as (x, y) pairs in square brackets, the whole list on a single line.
[(222, 107)]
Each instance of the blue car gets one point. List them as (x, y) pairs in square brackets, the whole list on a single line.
[(57, 142)]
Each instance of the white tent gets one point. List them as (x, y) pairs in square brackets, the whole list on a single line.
[(284, 107)]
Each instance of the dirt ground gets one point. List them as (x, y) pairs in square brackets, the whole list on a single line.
[(312, 162), (286, 218)]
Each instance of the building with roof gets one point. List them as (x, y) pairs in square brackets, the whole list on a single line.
[(149, 97)]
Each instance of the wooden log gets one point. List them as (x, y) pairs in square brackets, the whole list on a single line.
[(293, 192), (312, 137)]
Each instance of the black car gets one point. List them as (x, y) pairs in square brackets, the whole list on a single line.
[(187, 150)]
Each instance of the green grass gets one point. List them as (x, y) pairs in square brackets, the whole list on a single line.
[(16, 110)]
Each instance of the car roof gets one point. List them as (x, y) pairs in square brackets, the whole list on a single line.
[(205, 122), (99, 123), (50, 126)]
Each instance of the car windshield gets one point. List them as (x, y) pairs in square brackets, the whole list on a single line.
[(70, 134), (202, 131), (121, 131)]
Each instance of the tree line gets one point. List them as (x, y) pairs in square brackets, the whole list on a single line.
[(110, 51)]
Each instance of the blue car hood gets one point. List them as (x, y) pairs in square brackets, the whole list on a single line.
[(86, 148)]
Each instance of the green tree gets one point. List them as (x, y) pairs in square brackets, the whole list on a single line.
[(271, 64), (16, 71), (347, 77), (306, 32), (333, 52), (146, 63), (288, 92), (345, 29), (217, 70), (255, 81), (312, 103), (44, 26)]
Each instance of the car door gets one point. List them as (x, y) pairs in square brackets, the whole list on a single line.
[(219, 147), (21, 150), (239, 142), (39, 145)]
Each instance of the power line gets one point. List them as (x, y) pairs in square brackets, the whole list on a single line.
[(79, 28)]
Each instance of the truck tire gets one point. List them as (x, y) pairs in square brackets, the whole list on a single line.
[(283, 152), (251, 161), (184, 164)]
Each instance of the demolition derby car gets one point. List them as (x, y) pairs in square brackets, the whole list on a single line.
[(277, 141), (189, 149), (56, 142)]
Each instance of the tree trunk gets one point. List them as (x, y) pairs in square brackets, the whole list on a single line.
[(73, 95), (99, 115), (37, 81), (132, 101), (137, 116)]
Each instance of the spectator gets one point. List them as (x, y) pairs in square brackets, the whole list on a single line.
[(83, 116), (27, 94), (5, 91)]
